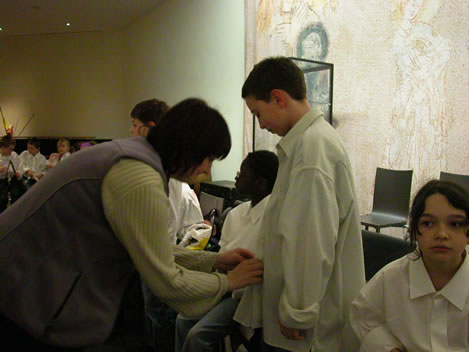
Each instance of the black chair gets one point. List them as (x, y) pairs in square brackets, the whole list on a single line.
[(380, 249), (391, 199), (462, 180)]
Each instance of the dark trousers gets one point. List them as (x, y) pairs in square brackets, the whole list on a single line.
[(14, 339)]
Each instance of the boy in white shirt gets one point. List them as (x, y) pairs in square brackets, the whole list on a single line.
[(10, 167), (421, 301), (34, 163), (313, 254), (240, 230)]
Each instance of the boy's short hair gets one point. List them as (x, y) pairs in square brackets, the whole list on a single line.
[(275, 73), (152, 110), (64, 141), (264, 164), (190, 132), (35, 142)]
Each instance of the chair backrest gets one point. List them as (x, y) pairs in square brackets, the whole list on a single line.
[(462, 180), (379, 250), (392, 192), (209, 202)]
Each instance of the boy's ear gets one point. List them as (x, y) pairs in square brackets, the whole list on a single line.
[(279, 96), (151, 124)]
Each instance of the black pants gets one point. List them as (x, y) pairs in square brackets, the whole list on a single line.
[(15, 339)]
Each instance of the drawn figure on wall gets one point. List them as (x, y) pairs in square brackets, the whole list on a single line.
[(313, 44), (418, 136)]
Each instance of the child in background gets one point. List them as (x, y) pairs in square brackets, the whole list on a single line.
[(7, 170), (63, 147), (34, 163), (421, 302), (240, 229)]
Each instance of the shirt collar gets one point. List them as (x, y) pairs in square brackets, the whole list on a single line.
[(454, 291), (288, 142), (256, 212)]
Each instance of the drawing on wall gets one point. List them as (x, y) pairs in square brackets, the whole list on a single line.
[(282, 20), (418, 136), (313, 44)]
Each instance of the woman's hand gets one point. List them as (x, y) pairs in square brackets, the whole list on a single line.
[(247, 273), (229, 260)]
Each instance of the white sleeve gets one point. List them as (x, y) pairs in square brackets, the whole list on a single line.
[(307, 242), (136, 207), (368, 320)]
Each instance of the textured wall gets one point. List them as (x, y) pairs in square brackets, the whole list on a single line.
[(401, 77)]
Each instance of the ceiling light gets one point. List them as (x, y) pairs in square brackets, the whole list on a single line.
[(68, 24)]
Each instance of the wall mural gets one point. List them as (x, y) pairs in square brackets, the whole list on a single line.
[(400, 82)]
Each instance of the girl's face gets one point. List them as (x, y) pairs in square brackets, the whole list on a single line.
[(63, 148), (443, 233), (6, 151)]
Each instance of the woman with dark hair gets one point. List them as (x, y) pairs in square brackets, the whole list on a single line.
[(69, 247)]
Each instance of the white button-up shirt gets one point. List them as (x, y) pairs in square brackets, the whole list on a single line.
[(36, 163), (5, 163), (313, 254), (241, 227), (184, 209), (400, 308)]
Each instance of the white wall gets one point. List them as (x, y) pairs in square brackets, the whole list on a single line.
[(71, 82), (191, 49), (86, 84)]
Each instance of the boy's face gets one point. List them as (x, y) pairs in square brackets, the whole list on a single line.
[(32, 149), (245, 179), (137, 128), (269, 115)]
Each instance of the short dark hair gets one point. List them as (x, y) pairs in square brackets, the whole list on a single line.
[(264, 164), (151, 110), (35, 142), (190, 132), (275, 73), (457, 196), (6, 141)]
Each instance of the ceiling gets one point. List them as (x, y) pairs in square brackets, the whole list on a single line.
[(35, 17)]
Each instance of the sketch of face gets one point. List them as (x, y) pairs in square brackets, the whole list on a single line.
[(312, 46), (412, 8)]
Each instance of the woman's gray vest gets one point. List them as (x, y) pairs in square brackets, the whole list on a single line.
[(63, 272)]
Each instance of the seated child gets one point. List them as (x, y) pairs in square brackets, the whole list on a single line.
[(10, 166), (63, 147), (240, 229), (34, 163), (420, 302)]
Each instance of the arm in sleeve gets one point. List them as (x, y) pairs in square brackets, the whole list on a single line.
[(368, 321), (137, 211), (308, 225)]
